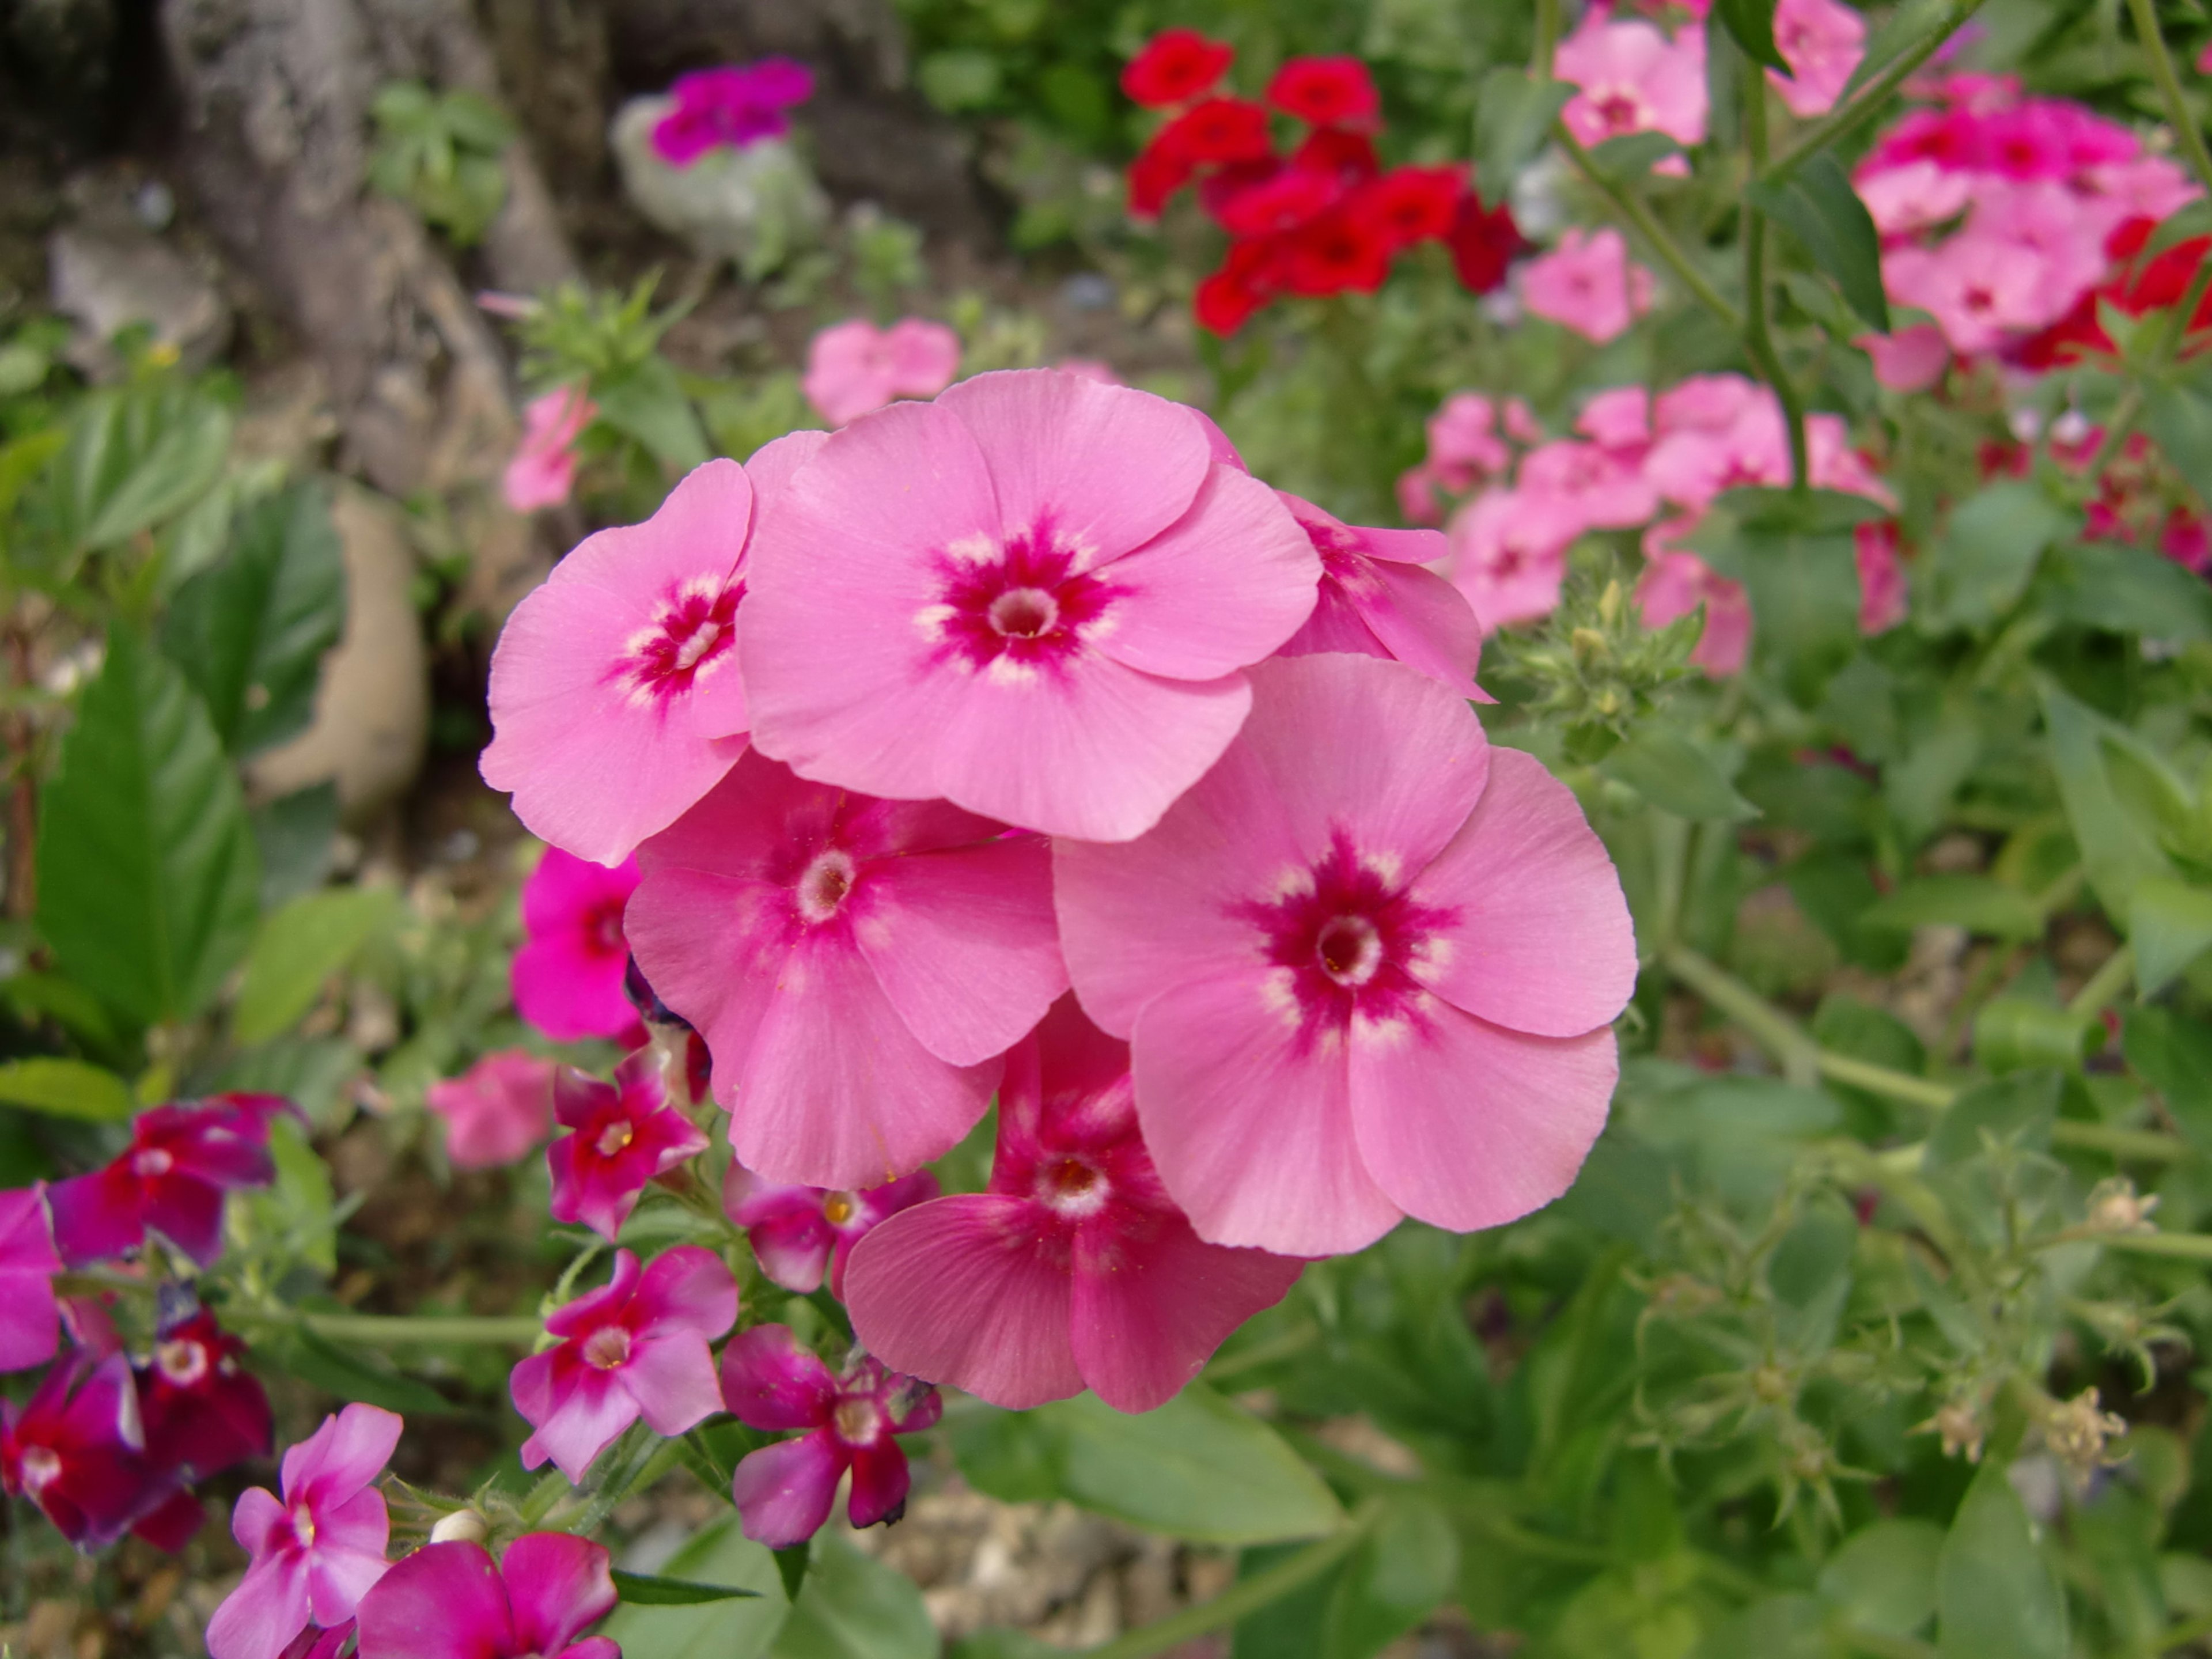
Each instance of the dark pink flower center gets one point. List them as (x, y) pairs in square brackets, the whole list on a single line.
[(182, 1360), (1619, 112), (1011, 609), (602, 929), (693, 628), (1073, 1186), (607, 1348)]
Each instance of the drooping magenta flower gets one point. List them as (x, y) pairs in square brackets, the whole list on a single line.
[(856, 966), (1375, 599), (567, 976), (498, 1110), (636, 1346), (171, 1180), (76, 1450), (1822, 41), (202, 1409), (1075, 1269), (853, 367), (30, 1320), (318, 1548), (1367, 968), (453, 1601), (621, 1135), (615, 697), (783, 1492), (799, 1232), (731, 107), (1033, 597), (543, 468)]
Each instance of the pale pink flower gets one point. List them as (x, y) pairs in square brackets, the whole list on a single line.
[(852, 368), (2147, 187), (1509, 556), (1675, 583), (1377, 600), (1032, 597), (1520, 422), (1885, 594), (568, 977), (1705, 403), (798, 1233), (856, 966), (2204, 59), (1586, 485), (621, 1134), (1822, 41), (1075, 1269), (1367, 968), (636, 1346), (1834, 464), (1421, 491), (1464, 446), (1912, 359), (1979, 289), (1631, 78), (451, 1601), (1913, 197), (317, 1550), (544, 469), (30, 1319), (1619, 419), (1587, 283), (498, 1110)]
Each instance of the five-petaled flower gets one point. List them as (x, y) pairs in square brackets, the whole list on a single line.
[(621, 1134), (76, 1449), (798, 1232), (451, 1601), (567, 976), (203, 1411), (170, 1180)]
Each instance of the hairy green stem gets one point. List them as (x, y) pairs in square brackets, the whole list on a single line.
[(2192, 136), (1869, 101), (1641, 219), (1757, 337)]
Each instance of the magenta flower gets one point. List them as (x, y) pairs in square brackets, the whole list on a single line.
[(1631, 78), (783, 1492), (732, 106), (1375, 599), (853, 367), (170, 1180), (624, 1134), (636, 1346), (1075, 1269), (615, 697), (797, 1232), (1509, 556), (452, 1602), (318, 1548), (496, 1110), (203, 1411), (1032, 598), (1822, 42), (30, 1319), (856, 966), (75, 1449), (1587, 283), (544, 469), (567, 976), (1884, 591), (1367, 968)]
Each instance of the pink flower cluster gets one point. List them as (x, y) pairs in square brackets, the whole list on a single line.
[(854, 367)]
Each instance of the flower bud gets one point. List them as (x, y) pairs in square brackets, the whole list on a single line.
[(462, 1526)]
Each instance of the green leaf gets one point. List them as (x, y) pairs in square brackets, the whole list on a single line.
[(1751, 23), (1904, 28), (2180, 416), (66, 1088), (298, 950), (790, 1565), (1987, 554), (853, 1607), (249, 631), (1627, 158), (1675, 776), (2016, 1034), (2170, 925), (2126, 590), (2017, 1110), (2174, 1055), (296, 1216), (350, 1375), (646, 403), (2117, 851), (1513, 117), (1400, 1574), (1795, 555), (1819, 207), (295, 833), (740, 1628), (1995, 1597), (644, 1589), (1882, 1577), (148, 875), (181, 465), (1976, 903)]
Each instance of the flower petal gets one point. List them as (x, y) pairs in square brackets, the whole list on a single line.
[(672, 1377), (445, 1601), (556, 1585), (771, 1382), (347, 1452), (880, 1482), (783, 1492), (258, 1619), (590, 1408)]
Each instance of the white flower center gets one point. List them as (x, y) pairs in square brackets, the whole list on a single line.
[(1349, 949), (1024, 613), (822, 888)]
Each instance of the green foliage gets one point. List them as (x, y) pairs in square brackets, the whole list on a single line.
[(440, 153)]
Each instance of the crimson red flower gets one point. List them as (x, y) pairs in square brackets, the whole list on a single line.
[(182, 1158), (1414, 204), (1175, 67), (202, 1409), (1258, 200), (1248, 279), (2137, 287), (1339, 251), (1217, 129), (1326, 92), (75, 1450), (1483, 241), (1159, 170), (1350, 156)]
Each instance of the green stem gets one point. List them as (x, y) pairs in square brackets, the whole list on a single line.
[(2191, 1247), (1758, 336), (509, 1330), (1641, 219), (1773, 1030), (2108, 981), (1547, 39), (1869, 99), (2169, 86), (2188, 1631)]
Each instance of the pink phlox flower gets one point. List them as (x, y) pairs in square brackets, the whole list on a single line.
[(1587, 283), (1509, 556), (1980, 289), (316, 1550), (30, 1319), (1718, 433), (615, 701), (1885, 594), (1588, 485), (1032, 598), (799, 1232), (1619, 421), (621, 1135), (2149, 187), (1376, 599), (637, 1345), (1631, 78), (1834, 464), (498, 1110), (1917, 195), (1420, 490), (1822, 42), (567, 976), (1075, 1269), (857, 967), (1912, 359), (1705, 403), (202, 1409), (77, 1448), (1676, 582), (1521, 423), (2203, 63), (450, 1600), (783, 1492), (1464, 439), (731, 106), (544, 469), (853, 367), (171, 1180), (1367, 968)]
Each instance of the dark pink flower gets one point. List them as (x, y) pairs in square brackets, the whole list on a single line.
[(452, 1602), (170, 1180), (30, 1320), (1075, 1269), (1675, 582), (76, 1450), (797, 1232), (318, 1548), (625, 1133), (202, 1410), (544, 469), (636, 1346), (496, 1110), (733, 106), (1376, 599), (783, 1492), (567, 976)]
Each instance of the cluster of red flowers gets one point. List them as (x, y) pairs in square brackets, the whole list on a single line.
[(2136, 287), (1323, 219)]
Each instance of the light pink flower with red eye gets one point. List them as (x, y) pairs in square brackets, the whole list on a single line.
[(498, 1110), (1367, 968), (1509, 556), (1822, 42), (451, 1601), (854, 367), (799, 1232), (567, 976), (1587, 283), (1619, 421), (544, 469), (1914, 197), (1588, 485), (1075, 1269), (1376, 599), (30, 1319), (1464, 448), (1912, 359), (1674, 583), (783, 1492), (1631, 78), (856, 966), (1033, 597), (171, 1180), (636, 1346), (318, 1548), (621, 1135), (77, 1450)]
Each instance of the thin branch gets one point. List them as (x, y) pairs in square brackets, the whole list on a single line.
[(1869, 99), (1757, 337), (1641, 219), (2169, 86)]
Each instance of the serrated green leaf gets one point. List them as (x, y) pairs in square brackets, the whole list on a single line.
[(1987, 554), (1976, 903), (180, 466), (645, 1590), (298, 949), (1751, 24), (1995, 1597), (1675, 776), (2170, 926), (1817, 206), (65, 1088)]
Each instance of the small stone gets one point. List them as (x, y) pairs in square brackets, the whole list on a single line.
[(108, 275)]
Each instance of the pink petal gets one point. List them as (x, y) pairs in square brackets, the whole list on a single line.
[(599, 1307), (556, 1584), (444, 1601), (343, 1456), (255, 1515), (794, 1249), (672, 1379), (30, 1318), (961, 1291), (568, 995), (1424, 623), (95, 1215), (770, 467), (1467, 1125), (340, 1574), (592, 1647), (258, 1619), (783, 1492), (771, 1382), (880, 1482), (586, 1417)]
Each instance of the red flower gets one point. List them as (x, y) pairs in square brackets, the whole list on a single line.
[(182, 1158), (1342, 250), (1326, 92), (1350, 156), (1259, 199), (1217, 129), (1412, 204), (202, 1409), (1483, 242), (2134, 290), (1247, 281), (1175, 67), (1159, 170), (75, 1449)]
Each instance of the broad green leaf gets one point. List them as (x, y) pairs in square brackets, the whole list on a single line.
[(997, 1642), (350, 1374), (1882, 1577), (182, 465), (1819, 208), (148, 876), (1976, 903), (2018, 1034), (853, 1607), (2174, 1055), (2126, 590), (2117, 851), (645, 1590), (2180, 416), (249, 631), (1737, 1137), (298, 949), (295, 833), (1810, 1273), (1751, 23), (1401, 1571), (34, 996), (65, 1088), (737, 1629), (1675, 776), (1987, 554), (2017, 1110), (1995, 1597), (2170, 925), (1513, 117), (647, 403)]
